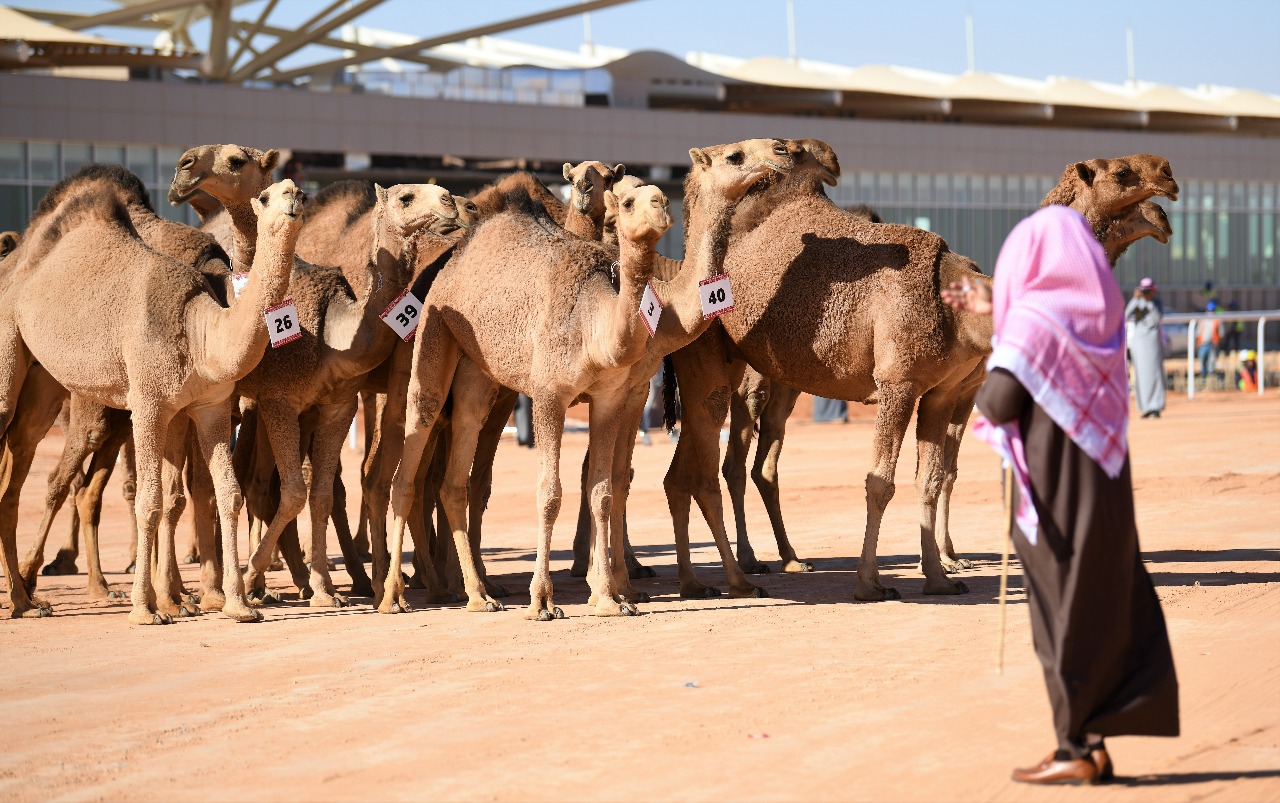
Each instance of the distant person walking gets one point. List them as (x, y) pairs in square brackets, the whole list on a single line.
[(1208, 338), (1142, 319), (1055, 405)]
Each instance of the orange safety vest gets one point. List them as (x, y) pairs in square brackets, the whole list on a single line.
[(1208, 328), (1248, 380)]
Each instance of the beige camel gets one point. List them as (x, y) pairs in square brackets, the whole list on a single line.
[(799, 264), (1144, 219), (160, 345), (589, 339), (344, 338)]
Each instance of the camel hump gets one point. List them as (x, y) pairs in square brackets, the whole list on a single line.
[(356, 195)]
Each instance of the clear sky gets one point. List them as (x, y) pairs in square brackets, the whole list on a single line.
[(1179, 42)]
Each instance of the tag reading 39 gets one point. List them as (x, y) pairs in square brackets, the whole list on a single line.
[(650, 309), (402, 315), (282, 323), (238, 282), (717, 297)]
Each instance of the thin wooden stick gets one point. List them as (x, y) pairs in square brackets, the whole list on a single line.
[(1005, 538)]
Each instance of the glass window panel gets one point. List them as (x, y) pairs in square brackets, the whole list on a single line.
[(74, 155), (142, 161), (109, 154), (44, 161), (924, 188), (906, 192), (13, 160), (168, 158), (942, 187), (867, 186), (960, 190), (884, 184), (13, 207), (978, 189)]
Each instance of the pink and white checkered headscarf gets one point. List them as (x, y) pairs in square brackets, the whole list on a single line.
[(1059, 329)]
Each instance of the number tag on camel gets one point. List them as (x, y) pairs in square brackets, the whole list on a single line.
[(238, 282), (402, 315), (650, 309), (282, 323), (717, 297)]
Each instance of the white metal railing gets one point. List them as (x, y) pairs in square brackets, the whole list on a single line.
[(1190, 320)]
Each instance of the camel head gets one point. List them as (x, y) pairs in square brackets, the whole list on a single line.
[(279, 209), (813, 156), (409, 207), (468, 212), (643, 214), (1156, 174), (229, 173), (590, 181), (620, 186), (730, 170), (8, 242), (1144, 219), (1103, 188)]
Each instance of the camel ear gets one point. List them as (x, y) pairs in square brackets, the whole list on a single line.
[(258, 207), (8, 243), (269, 159), (568, 168), (619, 170), (699, 157), (610, 202), (1085, 172), (381, 193)]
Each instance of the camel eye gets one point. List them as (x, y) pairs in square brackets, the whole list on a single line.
[(627, 204), (1122, 174), (734, 158), (264, 198), (236, 162), (406, 199)]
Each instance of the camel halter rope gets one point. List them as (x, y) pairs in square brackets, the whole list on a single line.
[(1007, 536)]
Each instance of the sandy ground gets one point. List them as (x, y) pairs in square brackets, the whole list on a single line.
[(802, 696)]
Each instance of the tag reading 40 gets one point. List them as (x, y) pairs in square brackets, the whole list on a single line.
[(402, 315), (650, 309), (282, 323), (717, 297)]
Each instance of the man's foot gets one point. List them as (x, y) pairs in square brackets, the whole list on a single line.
[(1059, 768)]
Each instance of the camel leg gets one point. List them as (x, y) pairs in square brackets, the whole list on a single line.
[(281, 424), (582, 533), (548, 430), (744, 410), (623, 451), (64, 561), (203, 509), (427, 575), (693, 468), (150, 428), (87, 429), (473, 397), (37, 406), (608, 562), (773, 427), (170, 596), (129, 490), (482, 480), (351, 558), (88, 501), (896, 401), (326, 450), (955, 434), (204, 512), (932, 422), (383, 456), (213, 426), (371, 409)]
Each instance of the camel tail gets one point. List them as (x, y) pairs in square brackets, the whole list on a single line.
[(670, 417)]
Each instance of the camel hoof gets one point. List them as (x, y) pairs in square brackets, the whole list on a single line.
[(37, 612), (875, 593), (628, 609), (340, 601), (638, 572), (260, 596), (129, 569), (190, 559), (580, 571), (945, 587), (637, 596), (415, 582), (545, 615), (702, 592), (557, 612), (492, 606), (194, 599), (750, 592), (964, 563), (755, 567), (305, 593), (495, 590), (275, 566), (58, 567), (115, 594), (796, 567), (364, 590)]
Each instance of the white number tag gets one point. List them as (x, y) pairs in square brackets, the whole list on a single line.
[(283, 324), (650, 309), (717, 297), (402, 315), (238, 282)]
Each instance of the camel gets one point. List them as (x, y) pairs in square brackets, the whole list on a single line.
[(162, 345), (589, 181), (588, 341), (344, 339), (1144, 219), (865, 299)]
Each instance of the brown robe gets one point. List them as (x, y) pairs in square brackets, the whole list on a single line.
[(1095, 618)]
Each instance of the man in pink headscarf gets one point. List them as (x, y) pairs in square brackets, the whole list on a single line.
[(1055, 406)]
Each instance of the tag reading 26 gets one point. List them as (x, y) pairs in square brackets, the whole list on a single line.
[(402, 315), (650, 309), (282, 323), (238, 283), (717, 297)]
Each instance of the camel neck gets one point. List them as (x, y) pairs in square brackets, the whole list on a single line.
[(583, 225), (625, 337), (236, 337), (676, 283), (244, 227)]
